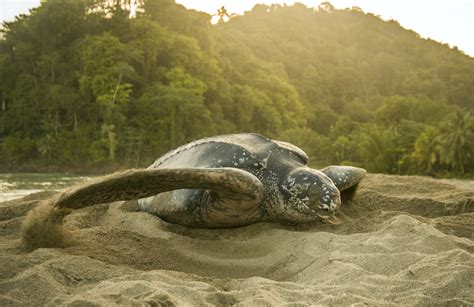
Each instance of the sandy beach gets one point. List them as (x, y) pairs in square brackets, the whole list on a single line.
[(404, 240)]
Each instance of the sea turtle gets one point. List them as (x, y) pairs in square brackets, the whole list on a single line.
[(222, 181)]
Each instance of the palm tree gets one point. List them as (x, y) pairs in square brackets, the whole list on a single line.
[(427, 148), (377, 149), (223, 14), (457, 141)]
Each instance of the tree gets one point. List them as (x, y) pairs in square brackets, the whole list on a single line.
[(149, 45), (427, 148), (326, 7), (102, 79), (175, 110), (377, 149), (316, 146), (342, 148), (393, 110), (457, 141)]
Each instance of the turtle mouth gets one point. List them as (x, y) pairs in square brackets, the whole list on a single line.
[(327, 211), (323, 212), (329, 215)]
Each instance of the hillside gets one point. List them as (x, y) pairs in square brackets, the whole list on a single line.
[(86, 88)]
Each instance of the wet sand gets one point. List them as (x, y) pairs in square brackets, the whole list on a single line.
[(404, 241)]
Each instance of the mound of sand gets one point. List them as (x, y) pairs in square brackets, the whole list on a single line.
[(405, 240)]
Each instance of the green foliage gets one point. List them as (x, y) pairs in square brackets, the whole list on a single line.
[(427, 149), (393, 110), (315, 145), (457, 142), (101, 80), (17, 150), (85, 87), (376, 148)]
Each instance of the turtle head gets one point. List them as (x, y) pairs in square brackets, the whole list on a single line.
[(309, 195)]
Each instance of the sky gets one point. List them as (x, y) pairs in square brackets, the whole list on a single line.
[(446, 21)]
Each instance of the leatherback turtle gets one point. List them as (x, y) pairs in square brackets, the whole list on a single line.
[(224, 181)]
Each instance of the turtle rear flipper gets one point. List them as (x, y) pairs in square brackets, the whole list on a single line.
[(345, 177)]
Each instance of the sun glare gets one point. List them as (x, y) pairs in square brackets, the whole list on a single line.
[(446, 21)]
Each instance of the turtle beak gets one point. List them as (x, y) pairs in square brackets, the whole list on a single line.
[(335, 203)]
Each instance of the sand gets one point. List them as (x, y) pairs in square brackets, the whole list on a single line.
[(404, 241)]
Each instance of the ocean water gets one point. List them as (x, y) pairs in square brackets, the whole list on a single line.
[(18, 185)]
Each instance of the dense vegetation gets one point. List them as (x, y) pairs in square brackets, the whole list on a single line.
[(84, 87)]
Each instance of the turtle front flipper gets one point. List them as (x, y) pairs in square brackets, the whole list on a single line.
[(228, 182), (43, 225), (345, 177)]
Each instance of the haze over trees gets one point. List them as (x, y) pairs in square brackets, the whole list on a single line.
[(84, 87)]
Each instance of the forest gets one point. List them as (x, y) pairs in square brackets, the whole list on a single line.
[(86, 88)]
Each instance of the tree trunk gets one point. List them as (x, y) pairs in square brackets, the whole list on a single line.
[(34, 73), (116, 89), (172, 129), (75, 121)]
